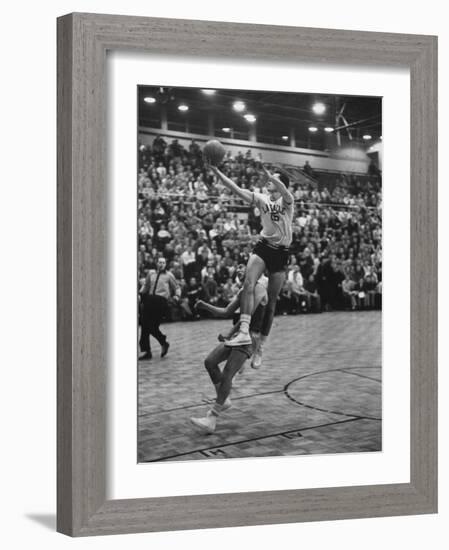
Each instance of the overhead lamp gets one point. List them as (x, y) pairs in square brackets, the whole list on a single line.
[(313, 129), (149, 99), (250, 118), (319, 108), (238, 106), (183, 108)]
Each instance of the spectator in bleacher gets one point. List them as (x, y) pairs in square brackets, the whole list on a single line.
[(302, 219), (325, 283), (163, 236), (194, 148), (159, 146), (338, 278), (161, 170), (284, 301), (378, 296), (350, 291), (208, 269), (210, 289), (306, 263), (292, 263), (191, 294), (202, 257), (223, 272), (369, 285), (297, 290), (229, 290), (307, 169), (313, 298), (188, 260), (175, 149)]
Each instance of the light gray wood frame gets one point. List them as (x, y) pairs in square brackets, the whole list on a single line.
[(83, 40)]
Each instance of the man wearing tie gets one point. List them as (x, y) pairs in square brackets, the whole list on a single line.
[(158, 287)]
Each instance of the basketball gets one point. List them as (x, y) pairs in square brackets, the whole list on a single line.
[(214, 152)]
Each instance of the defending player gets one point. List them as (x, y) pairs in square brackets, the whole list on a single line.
[(235, 357), (270, 253)]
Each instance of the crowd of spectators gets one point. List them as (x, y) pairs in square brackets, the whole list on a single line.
[(205, 233)]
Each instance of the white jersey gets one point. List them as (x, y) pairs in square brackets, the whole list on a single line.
[(277, 219)]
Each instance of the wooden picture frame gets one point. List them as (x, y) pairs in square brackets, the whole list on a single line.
[(83, 40)]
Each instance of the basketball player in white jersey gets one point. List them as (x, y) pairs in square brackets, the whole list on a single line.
[(270, 253)]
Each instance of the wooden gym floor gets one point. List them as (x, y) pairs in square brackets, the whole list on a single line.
[(317, 392)]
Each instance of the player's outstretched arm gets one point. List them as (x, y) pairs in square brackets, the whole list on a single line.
[(232, 186), (285, 193), (220, 311)]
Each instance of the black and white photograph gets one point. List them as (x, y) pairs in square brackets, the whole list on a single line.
[(259, 260)]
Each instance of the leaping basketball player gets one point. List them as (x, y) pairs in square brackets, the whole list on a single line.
[(235, 356), (270, 253)]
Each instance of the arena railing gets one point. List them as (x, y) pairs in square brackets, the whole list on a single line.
[(188, 199)]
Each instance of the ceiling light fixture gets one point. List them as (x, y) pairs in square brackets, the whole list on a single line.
[(238, 106), (319, 108)]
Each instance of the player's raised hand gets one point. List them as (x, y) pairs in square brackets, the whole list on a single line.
[(213, 169), (207, 163), (265, 170), (270, 176)]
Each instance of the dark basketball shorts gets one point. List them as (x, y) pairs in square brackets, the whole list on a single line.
[(275, 258)]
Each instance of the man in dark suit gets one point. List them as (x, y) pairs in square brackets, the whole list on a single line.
[(158, 288)]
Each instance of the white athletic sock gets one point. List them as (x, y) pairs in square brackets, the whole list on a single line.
[(244, 322)]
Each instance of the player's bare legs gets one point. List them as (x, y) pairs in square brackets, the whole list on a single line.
[(219, 354), (275, 283), (215, 357), (232, 367), (208, 423), (254, 269)]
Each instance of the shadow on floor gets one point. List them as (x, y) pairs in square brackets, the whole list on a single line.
[(46, 520)]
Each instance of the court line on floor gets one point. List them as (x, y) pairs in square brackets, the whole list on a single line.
[(335, 352), (362, 375), (180, 359), (292, 399), (195, 405), (231, 444)]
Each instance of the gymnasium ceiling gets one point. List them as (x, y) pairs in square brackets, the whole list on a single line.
[(276, 113)]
